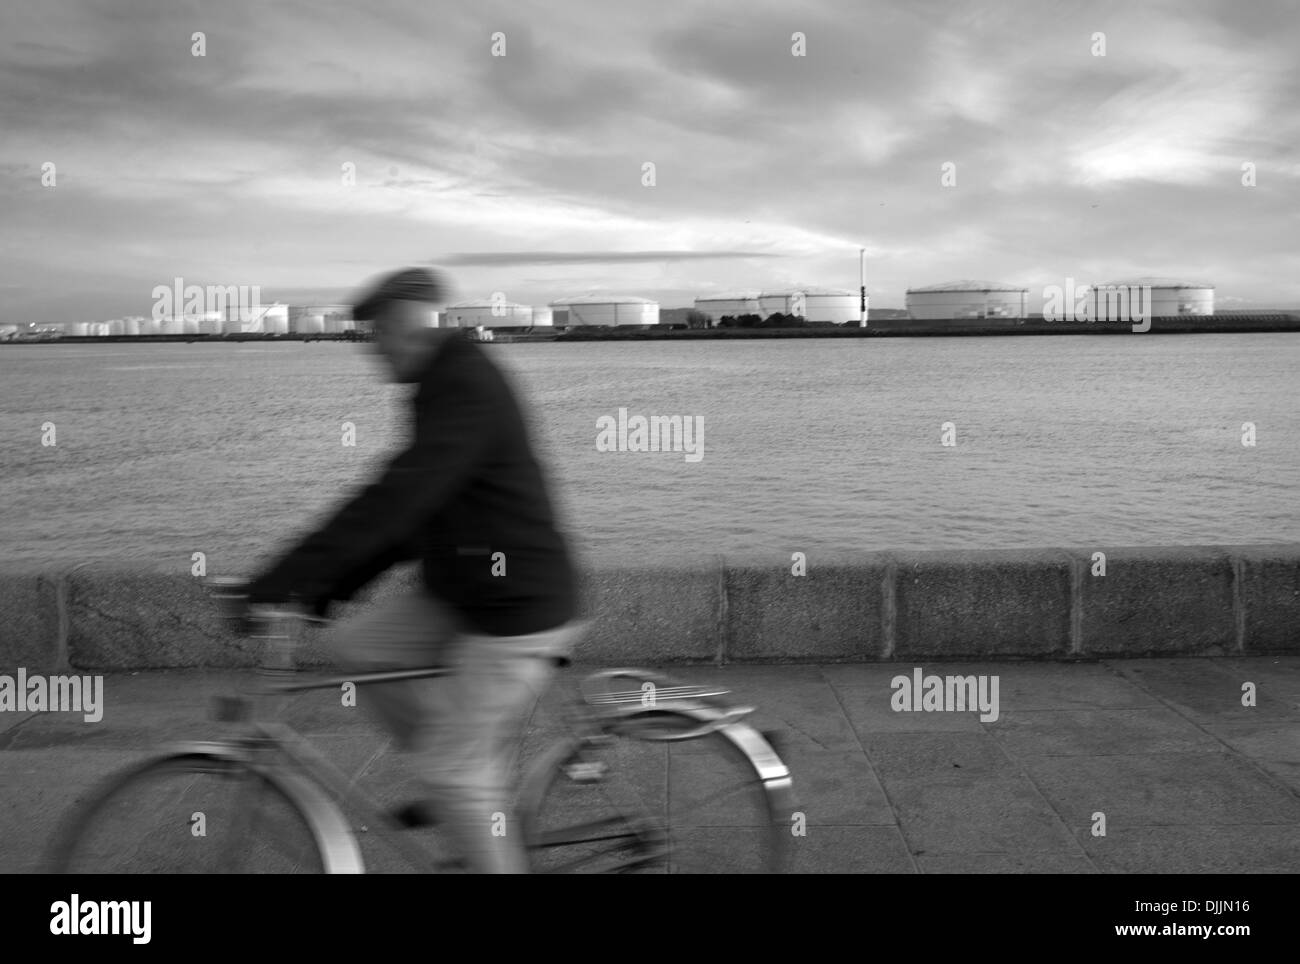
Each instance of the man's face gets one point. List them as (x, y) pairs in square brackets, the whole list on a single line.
[(403, 338)]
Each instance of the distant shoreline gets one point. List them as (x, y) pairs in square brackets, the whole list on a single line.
[(884, 328)]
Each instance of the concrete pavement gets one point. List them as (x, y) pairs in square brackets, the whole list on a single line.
[(1188, 778)]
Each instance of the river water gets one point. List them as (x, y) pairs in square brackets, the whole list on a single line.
[(164, 450)]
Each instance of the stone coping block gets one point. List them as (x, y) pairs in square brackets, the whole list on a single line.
[(1053, 603)]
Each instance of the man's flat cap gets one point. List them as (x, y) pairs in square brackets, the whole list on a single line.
[(409, 284)]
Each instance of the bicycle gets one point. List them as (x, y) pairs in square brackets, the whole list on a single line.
[(599, 798)]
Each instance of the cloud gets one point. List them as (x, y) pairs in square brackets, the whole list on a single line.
[(314, 144), (496, 258)]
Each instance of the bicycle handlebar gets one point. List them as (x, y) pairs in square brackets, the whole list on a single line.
[(231, 594)]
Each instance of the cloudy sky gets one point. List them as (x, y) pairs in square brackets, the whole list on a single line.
[(525, 173)]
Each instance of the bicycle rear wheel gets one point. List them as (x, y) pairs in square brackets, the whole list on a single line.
[(622, 803), (191, 813)]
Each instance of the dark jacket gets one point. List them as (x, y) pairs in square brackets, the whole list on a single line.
[(467, 498)]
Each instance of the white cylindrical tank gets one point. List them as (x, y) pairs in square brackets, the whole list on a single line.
[(734, 303), (487, 314), (812, 303), (173, 326), (968, 300), (1122, 299), (776, 302), (608, 311), (830, 304), (275, 320), (117, 327), (130, 326), (263, 319), (543, 317), (81, 328)]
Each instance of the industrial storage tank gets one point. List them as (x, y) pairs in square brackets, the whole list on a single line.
[(298, 315), (1169, 297), (264, 319), (831, 304), (172, 326), (776, 302), (487, 314), (130, 326), (316, 319), (543, 317), (735, 304), (813, 303), (303, 322), (117, 327), (968, 301), (609, 310), (275, 320)]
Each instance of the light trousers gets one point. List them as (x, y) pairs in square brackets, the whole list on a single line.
[(462, 730)]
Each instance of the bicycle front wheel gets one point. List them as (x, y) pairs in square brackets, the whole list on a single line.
[(190, 813), (629, 801)]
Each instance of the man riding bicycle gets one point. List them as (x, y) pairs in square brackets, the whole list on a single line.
[(498, 600)]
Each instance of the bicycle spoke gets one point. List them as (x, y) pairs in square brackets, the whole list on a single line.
[(631, 805)]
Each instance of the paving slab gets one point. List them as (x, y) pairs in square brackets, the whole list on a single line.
[(1190, 780)]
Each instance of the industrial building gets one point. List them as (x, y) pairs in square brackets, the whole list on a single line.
[(814, 304), (735, 304), (833, 305), (492, 314), (777, 302), (1169, 297), (306, 320), (263, 319), (607, 311), (968, 301)]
